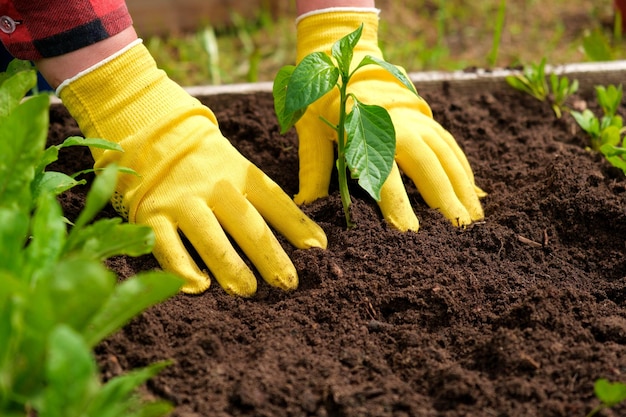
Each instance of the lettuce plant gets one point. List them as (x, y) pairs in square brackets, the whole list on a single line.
[(366, 138), (57, 299)]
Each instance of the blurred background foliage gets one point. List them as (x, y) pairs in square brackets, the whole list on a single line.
[(223, 42)]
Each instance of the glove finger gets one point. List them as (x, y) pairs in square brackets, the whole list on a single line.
[(246, 226), (395, 205), (205, 233), (455, 149), (453, 146), (170, 251), (316, 153), (280, 211), (424, 166), (456, 165), (460, 155)]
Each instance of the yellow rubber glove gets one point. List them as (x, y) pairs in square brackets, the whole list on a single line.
[(191, 179), (425, 151)]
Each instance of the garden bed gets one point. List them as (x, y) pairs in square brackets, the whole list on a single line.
[(514, 316)]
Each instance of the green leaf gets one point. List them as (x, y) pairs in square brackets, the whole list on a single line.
[(49, 155), (312, 78), (117, 397), (395, 71), (15, 66), (343, 50), (12, 304), (52, 182), (596, 46), (609, 98), (110, 237), (57, 182), (91, 142), (71, 374), (130, 298), (519, 83), (610, 136), (121, 170), (98, 196), (279, 91), (48, 235), (22, 139), (69, 284), (14, 89), (14, 224), (588, 122), (610, 393), (370, 149), (532, 80)]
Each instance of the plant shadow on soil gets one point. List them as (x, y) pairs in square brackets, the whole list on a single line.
[(515, 316)]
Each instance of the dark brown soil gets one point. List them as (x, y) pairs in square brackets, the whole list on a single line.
[(516, 316)]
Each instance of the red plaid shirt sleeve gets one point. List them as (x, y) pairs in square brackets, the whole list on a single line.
[(35, 29)]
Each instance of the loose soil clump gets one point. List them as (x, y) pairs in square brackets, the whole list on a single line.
[(514, 316)]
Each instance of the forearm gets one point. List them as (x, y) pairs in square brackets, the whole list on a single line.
[(306, 6), (64, 37), (60, 68)]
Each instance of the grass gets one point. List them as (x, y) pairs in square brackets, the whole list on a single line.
[(416, 34)]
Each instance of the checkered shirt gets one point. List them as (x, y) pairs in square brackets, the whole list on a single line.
[(35, 29)]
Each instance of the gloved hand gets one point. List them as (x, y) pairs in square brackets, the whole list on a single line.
[(190, 177), (425, 151)]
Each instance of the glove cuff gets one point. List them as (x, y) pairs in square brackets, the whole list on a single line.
[(319, 30), (122, 95)]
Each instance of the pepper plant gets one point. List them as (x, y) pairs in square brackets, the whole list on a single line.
[(57, 299), (366, 138)]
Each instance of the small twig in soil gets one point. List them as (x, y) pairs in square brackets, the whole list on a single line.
[(529, 242)]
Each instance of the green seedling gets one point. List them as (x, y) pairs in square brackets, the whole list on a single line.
[(57, 299), (555, 89), (609, 393), (366, 138), (560, 90), (607, 131), (532, 80)]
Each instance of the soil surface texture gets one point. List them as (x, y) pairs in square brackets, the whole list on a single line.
[(514, 316)]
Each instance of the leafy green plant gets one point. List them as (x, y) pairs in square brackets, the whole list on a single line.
[(555, 89), (607, 131), (532, 80), (365, 135), (560, 90), (57, 299), (609, 393)]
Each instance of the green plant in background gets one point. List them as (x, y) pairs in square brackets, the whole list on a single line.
[(492, 58), (57, 300), (609, 393), (607, 131), (555, 89), (532, 80), (208, 41), (365, 136), (599, 47), (250, 49)]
